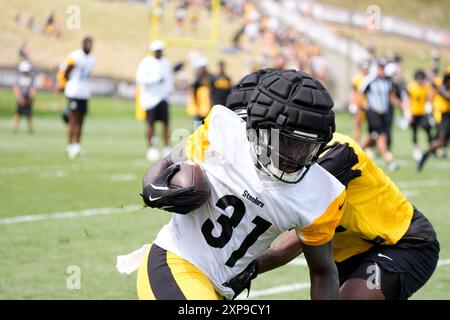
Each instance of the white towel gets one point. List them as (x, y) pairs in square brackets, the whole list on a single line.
[(131, 262)]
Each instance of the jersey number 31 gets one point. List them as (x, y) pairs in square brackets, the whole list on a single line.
[(228, 224)]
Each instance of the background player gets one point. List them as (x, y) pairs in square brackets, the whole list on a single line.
[(24, 91), (444, 127), (359, 101), (79, 66), (155, 81), (199, 103), (221, 86), (419, 93), (382, 253)]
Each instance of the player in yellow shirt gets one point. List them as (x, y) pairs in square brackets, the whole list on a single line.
[(443, 93), (438, 102), (199, 99), (359, 101), (220, 86), (384, 248), (419, 93)]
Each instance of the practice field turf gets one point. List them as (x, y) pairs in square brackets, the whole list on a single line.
[(97, 211)]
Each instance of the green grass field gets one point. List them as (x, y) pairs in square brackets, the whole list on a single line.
[(37, 178)]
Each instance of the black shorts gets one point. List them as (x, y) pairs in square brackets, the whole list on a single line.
[(422, 121), (444, 127), (24, 110), (80, 105), (158, 113), (398, 270), (378, 122)]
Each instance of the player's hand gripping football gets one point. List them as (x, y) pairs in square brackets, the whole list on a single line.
[(159, 193)]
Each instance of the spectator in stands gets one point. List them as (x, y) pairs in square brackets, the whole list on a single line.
[(18, 18), (34, 25), (24, 53), (180, 13), (280, 61), (49, 28)]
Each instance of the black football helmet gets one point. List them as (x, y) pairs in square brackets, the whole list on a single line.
[(240, 94), (289, 122)]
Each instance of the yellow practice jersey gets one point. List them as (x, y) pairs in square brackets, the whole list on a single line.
[(200, 106), (418, 94), (440, 104), (376, 211), (61, 80), (199, 97), (222, 83), (357, 81)]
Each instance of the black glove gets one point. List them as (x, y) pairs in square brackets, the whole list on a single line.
[(65, 114), (159, 194), (244, 279), (339, 161)]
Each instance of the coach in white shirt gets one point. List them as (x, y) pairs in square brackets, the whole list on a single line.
[(155, 81), (79, 65)]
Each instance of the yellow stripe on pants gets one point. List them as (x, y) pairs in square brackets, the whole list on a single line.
[(190, 280)]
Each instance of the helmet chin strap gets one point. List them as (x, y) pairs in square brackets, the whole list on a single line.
[(293, 177), (277, 174)]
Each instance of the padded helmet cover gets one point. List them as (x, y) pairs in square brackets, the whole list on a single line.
[(291, 100), (243, 90)]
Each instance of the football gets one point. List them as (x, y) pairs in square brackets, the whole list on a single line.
[(192, 175)]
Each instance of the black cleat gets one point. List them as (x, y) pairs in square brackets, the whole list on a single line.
[(421, 162)]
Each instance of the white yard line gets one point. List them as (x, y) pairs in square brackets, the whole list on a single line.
[(443, 262), (68, 214), (422, 183), (123, 177), (410, 193), (71, 166), (300, 261)]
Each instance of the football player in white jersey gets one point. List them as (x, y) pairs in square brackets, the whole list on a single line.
[(264, 181), (79, 66)]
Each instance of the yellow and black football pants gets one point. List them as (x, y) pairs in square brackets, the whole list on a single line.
[(165, 276)]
